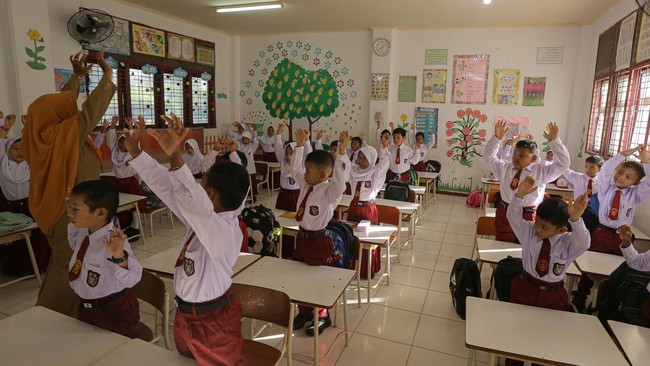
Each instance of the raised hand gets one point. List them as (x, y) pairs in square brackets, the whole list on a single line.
[(236, 123), (391, 125), (281, 127), (320, 134), (577, 207), (9, 121), (23, 119), (133, 134), (344, 140), (500, 129), (114, 121), (171, 140), (2, 114), (114, 243), (625, 232), (631, 151), (552, 131), (362, 136), (78, 62), (104, 125), (513, 141), (302, 135), (644, 154), (105, 66), (526, 186)]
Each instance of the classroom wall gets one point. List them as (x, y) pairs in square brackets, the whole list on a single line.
[(8, 98)]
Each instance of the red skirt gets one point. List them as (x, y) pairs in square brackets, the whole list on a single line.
[(502, 226), (605, 240), (287, 199), (404, 177), (356, 213), (119, 316), (270, 157), (524, 292)]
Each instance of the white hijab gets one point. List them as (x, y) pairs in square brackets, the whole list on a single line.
[(359, 174), (10, 170), (120, 158), (286, 166), (195, 160)]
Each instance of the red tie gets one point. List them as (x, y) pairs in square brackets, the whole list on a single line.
[(397, 158), (301, 209), (589, 188), (181, 256), (357, 191), (352, 157), (616, 202), (515, 180), (78, 263), (543, 258)]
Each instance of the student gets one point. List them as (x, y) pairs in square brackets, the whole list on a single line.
[(267, 142), (639, 262), (237, 130), (417, 143), (248, 146), (382, 133), (401, 157), (289, 189), (207, 326), (355, 144), (548, 249), (522, 164), (586, 182), (193, 158), (102, 265), (319, 196)]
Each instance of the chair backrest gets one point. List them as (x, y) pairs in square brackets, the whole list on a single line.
[(485, 226), (491, 194), (264, 304), (388, 215), (261, 168), (151, 290), (411, 196)]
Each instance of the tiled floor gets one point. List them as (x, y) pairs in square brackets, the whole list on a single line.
[(411, 322)]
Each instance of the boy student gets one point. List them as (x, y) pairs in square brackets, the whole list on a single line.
[(355, 144), (318, 198), (289, 189), (207, 326), (640, 262), (401, 157), (419, 144), (267, 142), (586, 182), (102, 265), (522, 164)]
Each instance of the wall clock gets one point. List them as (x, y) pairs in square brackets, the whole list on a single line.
[(381, 47)]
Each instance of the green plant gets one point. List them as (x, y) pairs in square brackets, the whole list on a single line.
[(36, 62)]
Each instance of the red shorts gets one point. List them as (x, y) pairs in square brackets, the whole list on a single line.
[(404, 177), (502, 226), (314, 252), (605, 240), (287, 200), (419, 167), (119, 315), (523, 291)]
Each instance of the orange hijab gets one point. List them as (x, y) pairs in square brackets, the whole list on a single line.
[(51, 148)]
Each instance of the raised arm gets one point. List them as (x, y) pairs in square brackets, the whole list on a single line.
[(562, 160), (579, 234), (382, 166), (640, 262), (607, 171), (521, 228), (297, 161), (341, 173), (492, 148)]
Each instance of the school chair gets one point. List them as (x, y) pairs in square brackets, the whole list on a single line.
[(391, 216), (490, 196), (151, 289), (150, 211), (484, 228), (262, 170), (270, 306)]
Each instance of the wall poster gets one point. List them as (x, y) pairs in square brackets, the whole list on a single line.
[(506, 87), (434, 85), (148, 41), (426, 119), (379, 86), (534, 91), (406, 88), (470, 78)]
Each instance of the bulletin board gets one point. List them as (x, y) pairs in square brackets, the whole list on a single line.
[(426, 119)]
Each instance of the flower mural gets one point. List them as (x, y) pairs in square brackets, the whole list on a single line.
[(464, 135), (35, 61)]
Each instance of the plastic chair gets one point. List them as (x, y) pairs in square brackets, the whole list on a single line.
[(484, 228), (150, 211), (270, 306), (152, 290)]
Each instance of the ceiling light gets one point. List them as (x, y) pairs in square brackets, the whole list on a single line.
[(486, 2), (249, 7)]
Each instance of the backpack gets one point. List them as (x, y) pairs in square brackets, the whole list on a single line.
[(397, 191), (343, 238), (624, 295), (506, 270), (10, 221), (414, 177), (432, 166), (152, 200), (475, 198), (260, 225), (465, 280)]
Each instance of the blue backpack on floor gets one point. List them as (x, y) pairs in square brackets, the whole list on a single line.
[(343, 237)]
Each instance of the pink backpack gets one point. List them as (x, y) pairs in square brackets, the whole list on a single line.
[(475, 198)]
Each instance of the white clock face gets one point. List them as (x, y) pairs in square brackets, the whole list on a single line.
[(381, 47)]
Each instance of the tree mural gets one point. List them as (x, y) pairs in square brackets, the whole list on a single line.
[(465, 136), (293, 92)]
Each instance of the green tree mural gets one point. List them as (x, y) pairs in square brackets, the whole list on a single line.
[(292, 92)]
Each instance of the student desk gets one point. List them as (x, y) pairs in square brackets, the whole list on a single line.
[(22, 234), (492, 251), (535, 334), (420, 196), (429, 179), (316, 286), (272, 167), (598, 266), (550, 189), (39, 336), (138, 352), (634, 340), (490, 212), (162, 263), (130, 201)]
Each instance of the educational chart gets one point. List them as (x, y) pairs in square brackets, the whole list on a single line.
[(204, 55), (506, 87), (61, 76), (470, 78), (534, 90), (426, 119), (516, 125), (119, 43), (406, 88), (148, 41), (379, 87), (435, 57), (643, 47), (434, 85), (625, 42), (180, 48)]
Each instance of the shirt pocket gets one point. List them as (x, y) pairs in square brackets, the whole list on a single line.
[(92, 274), (192, 264), (558, 265)]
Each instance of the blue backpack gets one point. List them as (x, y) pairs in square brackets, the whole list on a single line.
[(343, 237)]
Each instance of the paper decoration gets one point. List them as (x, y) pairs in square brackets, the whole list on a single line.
[(465, 135), (379, 86), (119, 43), (550, 55), (112, 61), (61, 76), (435, 57), (534, 90), (206, 76), (149, 69), (625, 42), (180, 48), (506, 87), (470, 77), (35, 61), (426, 119), (181, 73), (148, 41), (406, 88), (204, 55), (520, 125), (434, 85)]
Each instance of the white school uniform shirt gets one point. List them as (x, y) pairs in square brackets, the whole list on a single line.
[(249, 151), (99, 277), (407, 157), (267, 143), (541, 172), (639, 262), (14, 177), (206, 273), (324, 198), (580, 181), (286, 178), (234, 134), (565, 248), (371, 178), (630, 196), (119, 158), (424, 150), (378, 136)]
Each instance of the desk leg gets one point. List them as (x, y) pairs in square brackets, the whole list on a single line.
[(345, 318), (471, 358), (137, 211), (290, 337), (493, 359), (388, 263), (316, 353), (28, 242), (369, 269)]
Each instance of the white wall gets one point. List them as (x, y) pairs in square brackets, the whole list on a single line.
[(8, 95)]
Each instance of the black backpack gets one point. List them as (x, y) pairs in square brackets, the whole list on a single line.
[(623, 295), (397, 191), (465, 280), (432, 166), (343, 238), (260, 224), (506, 270)]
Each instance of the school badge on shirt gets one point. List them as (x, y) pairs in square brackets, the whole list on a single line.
[(367, 184), (292, 181), (406, 161), (313, 210), (188, 266), (558, 268), (92, 279)]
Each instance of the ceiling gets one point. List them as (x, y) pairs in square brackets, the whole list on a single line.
[(302, 16)]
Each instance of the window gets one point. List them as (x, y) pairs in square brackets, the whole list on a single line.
[(142, 96), (200, 107), (93, 77), (173, 92)]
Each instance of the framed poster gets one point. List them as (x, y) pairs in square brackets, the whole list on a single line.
[(148, 41), (426, 119), (625, 42), (204, 55), (550, 55), (61, 77), (406, 88), (434, 85), (516, 125), (470, 78), (379, 86), (435, 57), (506, 87), (180, 48), (534, 90), (119, 43)]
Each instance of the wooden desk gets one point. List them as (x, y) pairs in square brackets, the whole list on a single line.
[(130, 201), (428, 179), (39, 336), (273, 167), (162, 263), (316, 286), (138, 352), (599, 264), (22, 234), (634, 340), (639, 235), (535, 334)]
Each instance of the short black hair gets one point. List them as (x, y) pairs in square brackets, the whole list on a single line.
[(334, 143), (400, 130), (419, 134), (595, 159), (554, 210), (527, 144), (231, 181), (322, 158), (97, 194), (242, 157), (357, 139), (636, 166), (385, 131)]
